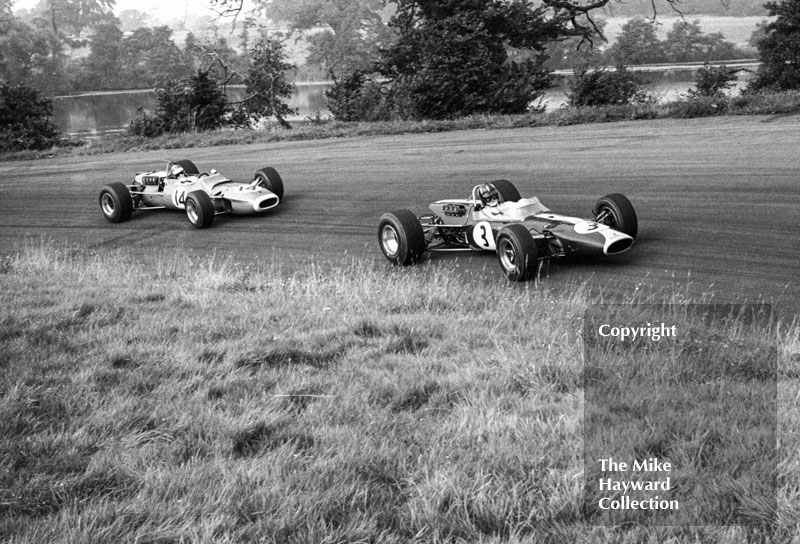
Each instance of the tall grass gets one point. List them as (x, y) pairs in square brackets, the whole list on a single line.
[(202, 401)]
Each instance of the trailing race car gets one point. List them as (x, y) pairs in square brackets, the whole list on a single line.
[(521, 231), (182, 187)]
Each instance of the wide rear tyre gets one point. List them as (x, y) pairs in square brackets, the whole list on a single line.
[(199, 209), (188, 167), (116, 202), (269, 179), (401, 237), (616, 211), (516, 252), (508, 192)]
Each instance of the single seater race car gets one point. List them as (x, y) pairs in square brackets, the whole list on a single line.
[(522, 231), (182, 187)]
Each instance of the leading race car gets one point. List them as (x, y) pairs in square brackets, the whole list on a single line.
[(522, 231), (182, 187)]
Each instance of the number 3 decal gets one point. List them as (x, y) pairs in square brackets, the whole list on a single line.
[(482, 235), (585, 227), (179, 197)]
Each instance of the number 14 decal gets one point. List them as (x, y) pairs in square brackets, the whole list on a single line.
[(482, 235)]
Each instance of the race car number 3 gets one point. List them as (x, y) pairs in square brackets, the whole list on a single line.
[(179, 197), (482, 235), (585, 227)]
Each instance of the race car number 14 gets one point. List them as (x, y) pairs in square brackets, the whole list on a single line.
[(482, 236), (179, 197)]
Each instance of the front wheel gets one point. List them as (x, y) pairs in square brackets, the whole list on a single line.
[(269, 179), (616, 211), (116, 202), (188, 167), (199, 209), (401, 237), (516, 252)]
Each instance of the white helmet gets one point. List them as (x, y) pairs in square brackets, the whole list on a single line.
[(176, 170)]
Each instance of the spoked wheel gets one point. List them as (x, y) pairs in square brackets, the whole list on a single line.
[(199, 209), (616, 211), (401, 237), (516, 252), (116, 202)]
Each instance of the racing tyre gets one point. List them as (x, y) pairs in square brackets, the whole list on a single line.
[(199, 209), (508, 193), (516, 252), (116, 202), (616, 211), (269, 179), (188, 167), (401, 237)]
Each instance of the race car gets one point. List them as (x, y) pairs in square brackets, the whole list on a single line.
[(522, 231), (182, 187)]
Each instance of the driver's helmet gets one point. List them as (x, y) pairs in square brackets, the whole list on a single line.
[(488, 195), (176, 170)]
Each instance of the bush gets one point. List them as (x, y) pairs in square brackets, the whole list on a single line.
[(25, 119), (712, 81), (600, 87), (195, 104), (356, 97)]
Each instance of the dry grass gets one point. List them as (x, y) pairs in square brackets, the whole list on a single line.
[(199, 401)]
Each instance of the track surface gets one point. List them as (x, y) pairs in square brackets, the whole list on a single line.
[(717, 200)]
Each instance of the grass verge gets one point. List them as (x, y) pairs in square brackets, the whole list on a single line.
[(761, 104), (201, 401)]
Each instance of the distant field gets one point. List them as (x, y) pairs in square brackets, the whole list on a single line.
[(735, 29)]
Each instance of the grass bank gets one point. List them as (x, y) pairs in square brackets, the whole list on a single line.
[(762, 104), (201, 401)]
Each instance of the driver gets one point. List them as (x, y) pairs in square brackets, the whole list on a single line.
[(176, 171), (488, 195)]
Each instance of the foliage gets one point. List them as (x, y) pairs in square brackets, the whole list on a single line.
[(712, 81), (150, 57), (637, 43), (195, 104), (71, 17), (25, 119), (451, 57), (342, 35), (686, 43), (105, 63), (600, 87), (357, 97), (779, 49), (266, 84)]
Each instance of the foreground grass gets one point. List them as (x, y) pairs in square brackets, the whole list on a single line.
[(199, 401), (762, 104)]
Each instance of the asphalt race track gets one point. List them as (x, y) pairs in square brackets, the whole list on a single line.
[(718, 200)]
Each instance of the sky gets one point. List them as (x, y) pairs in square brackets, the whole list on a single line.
[(163, 10)]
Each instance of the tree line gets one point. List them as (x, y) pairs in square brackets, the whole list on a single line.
[(398, 59)]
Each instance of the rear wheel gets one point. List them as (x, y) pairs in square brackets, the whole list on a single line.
[(401, 237), (269, 179), (199, 209), (616, 211), (508, 192), (516, 252), (188, 167), (116, 202)]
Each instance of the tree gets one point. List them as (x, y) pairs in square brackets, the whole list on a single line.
[(603, 87), (131, 19), (637, 43), (451, 57), (152, 58), (266, 84), (25, 119), (342, 34), (104, 64), (193, 104), (71, 17), (713, 81), (779, 49)]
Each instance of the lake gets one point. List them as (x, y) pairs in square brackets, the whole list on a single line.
[(102, 112)]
